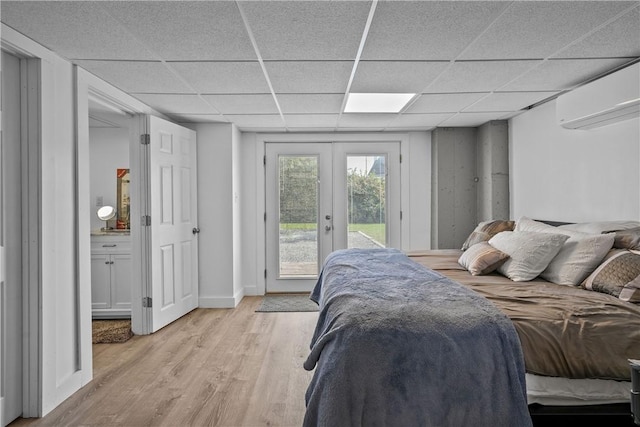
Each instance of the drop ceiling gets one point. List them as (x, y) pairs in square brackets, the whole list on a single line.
[(287, 66)]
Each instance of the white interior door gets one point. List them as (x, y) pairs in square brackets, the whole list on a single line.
[(11, 244), (321, 197), (173, 231)]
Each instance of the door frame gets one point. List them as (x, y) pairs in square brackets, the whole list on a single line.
[(88, 85), (31, 143), (260, 148)]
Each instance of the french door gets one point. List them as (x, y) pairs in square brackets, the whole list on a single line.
[(325, 196)]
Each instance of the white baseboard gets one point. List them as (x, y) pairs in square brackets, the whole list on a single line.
[(252, 290), (217, 302)]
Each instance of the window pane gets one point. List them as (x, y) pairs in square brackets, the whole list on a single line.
[(298, 242), (366, 207)]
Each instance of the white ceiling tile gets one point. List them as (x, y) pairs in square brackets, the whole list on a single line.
[(243, 103), (74, 30), (307, 30), (470, 119), (537, 29), (357, 120), (137, 76), (419, 120), (443, 102), (177, 103), (309, 76), (429, 30), (479, 76), (562, 74), (311, 120), (223, 77), (256, 120), (199, 30), (508, 101), (316, 103), (395, 76), (619, 38)]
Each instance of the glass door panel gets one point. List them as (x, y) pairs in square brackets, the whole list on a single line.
[(298, 216), (366, 201)]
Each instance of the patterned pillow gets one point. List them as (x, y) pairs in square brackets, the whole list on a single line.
[(618, 275), (486, 230), (482, 258), (627, 239)]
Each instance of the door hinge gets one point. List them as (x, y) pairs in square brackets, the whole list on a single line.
[(145, 139), (400, 215), (147, 302), (265, 273), (145, 220), (264, 160), (400, 158), (265, 217)]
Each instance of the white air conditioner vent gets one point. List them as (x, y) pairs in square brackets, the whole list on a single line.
[(611, 99)]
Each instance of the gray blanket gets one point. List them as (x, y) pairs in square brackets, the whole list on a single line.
[(397, 344)]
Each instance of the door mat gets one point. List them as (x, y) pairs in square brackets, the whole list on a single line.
[(111, 331), (286, 303)]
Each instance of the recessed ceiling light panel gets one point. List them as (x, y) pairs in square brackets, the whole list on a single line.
[(377, 102)]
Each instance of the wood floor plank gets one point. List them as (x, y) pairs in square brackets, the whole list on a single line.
[(213, 367)]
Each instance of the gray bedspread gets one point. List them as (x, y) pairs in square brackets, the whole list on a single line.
[(397, 344)]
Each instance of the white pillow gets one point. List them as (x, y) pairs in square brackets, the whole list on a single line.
[(530, 252), (601, 226), (577, 258)]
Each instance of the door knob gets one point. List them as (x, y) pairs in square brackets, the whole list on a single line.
[(327, 217), (195, 230), (327, 228)]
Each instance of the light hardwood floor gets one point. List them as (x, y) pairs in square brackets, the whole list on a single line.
[(213, 367)]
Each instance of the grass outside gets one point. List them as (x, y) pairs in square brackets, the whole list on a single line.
[(376, 231)]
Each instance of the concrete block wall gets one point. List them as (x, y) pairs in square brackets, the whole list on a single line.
[(470, 181)]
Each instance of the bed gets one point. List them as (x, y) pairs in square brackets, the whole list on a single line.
[(575, 343), (397, 344)]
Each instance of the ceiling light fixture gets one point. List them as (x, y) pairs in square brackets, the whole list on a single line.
[(377, 102)]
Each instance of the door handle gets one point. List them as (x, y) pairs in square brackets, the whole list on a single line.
[(327, 228), (195, 230), (327, 217)]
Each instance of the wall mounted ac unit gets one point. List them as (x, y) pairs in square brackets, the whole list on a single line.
[(610, 99)]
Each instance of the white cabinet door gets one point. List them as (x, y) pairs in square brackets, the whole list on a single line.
[(100, 281), (121, 281)]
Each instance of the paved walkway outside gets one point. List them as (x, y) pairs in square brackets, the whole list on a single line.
[(300, 245)]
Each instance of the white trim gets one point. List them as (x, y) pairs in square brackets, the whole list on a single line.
[(222, 302), (32, 238)]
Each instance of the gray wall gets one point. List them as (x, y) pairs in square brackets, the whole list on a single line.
[(493, 171), (470, 181)]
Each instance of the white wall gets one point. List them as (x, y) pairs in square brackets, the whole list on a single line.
[(109, 150), (573, 175), (218, 210)]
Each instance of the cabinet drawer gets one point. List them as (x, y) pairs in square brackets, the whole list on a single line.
[(110, 244)]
